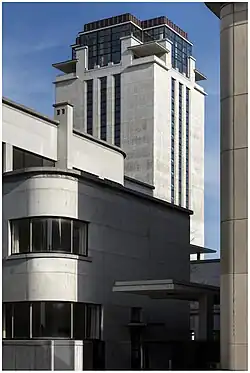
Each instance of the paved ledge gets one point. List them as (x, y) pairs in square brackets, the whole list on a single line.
[(48, 254), (99, 141), (27, 110)]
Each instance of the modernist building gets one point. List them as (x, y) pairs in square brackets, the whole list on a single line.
[(73, 227), (135, 85)]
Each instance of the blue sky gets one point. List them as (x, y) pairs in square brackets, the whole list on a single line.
[(35, 35)]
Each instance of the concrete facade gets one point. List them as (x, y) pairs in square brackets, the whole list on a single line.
[(131, 235), (234, 196), (146, 119)]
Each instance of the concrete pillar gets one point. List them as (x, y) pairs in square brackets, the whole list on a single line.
[(64, 113), (234, 148), (191, 68), (206, 323), (7, 157)]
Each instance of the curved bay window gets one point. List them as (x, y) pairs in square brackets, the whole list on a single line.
[(48, 234), (26, 320)]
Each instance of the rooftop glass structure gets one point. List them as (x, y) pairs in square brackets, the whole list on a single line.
[(103, 39)]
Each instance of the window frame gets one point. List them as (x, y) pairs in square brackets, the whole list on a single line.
[(34, 321), (82, 225)]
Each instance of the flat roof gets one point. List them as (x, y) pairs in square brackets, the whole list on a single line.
[(167, 289)]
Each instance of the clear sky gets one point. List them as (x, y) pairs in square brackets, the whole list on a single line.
[(35, 35)]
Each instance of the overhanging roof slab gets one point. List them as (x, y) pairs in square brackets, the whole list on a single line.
[(166, 289), (148, 49)]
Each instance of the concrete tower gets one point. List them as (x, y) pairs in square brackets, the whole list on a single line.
[(234, 147), (135, 84)]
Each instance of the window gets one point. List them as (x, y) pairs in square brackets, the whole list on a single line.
[(117, 109), (21, 318), (20, 236), (61, 235), (79, 321), (26, 320), (39, 235), (93, 322), (51, 319), (23, 159), (48, 234), (89, 106), (7, 320)]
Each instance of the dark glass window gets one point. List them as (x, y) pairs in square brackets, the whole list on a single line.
[(90, 107), (79, 322), (117, 109), (93, 321), (7, 319), (20, 235), (21, 316), (23, 159), (51, 319), (104, 46), (181, 49), (25, 320), (79, 238), (49, 234), (39, 235), (104, 108), (61, 235)]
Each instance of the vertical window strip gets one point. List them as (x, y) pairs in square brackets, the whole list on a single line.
[(187, 146), (89, 106), (117, 139), (172, 140), (180, 142), (103, 110)]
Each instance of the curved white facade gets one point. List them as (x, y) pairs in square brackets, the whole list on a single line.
[(43, 277)]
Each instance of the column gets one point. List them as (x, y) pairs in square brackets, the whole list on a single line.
[(64, 114), (7, 154), (206, 315), (234, 147)]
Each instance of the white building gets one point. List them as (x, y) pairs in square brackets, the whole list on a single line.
[(134, 84), (72, 226)]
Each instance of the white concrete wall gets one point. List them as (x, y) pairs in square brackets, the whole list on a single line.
[(97, 159), (29, 132), (196, 154), (41, 137), (162, 133), (130, 238), (137, 118)]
